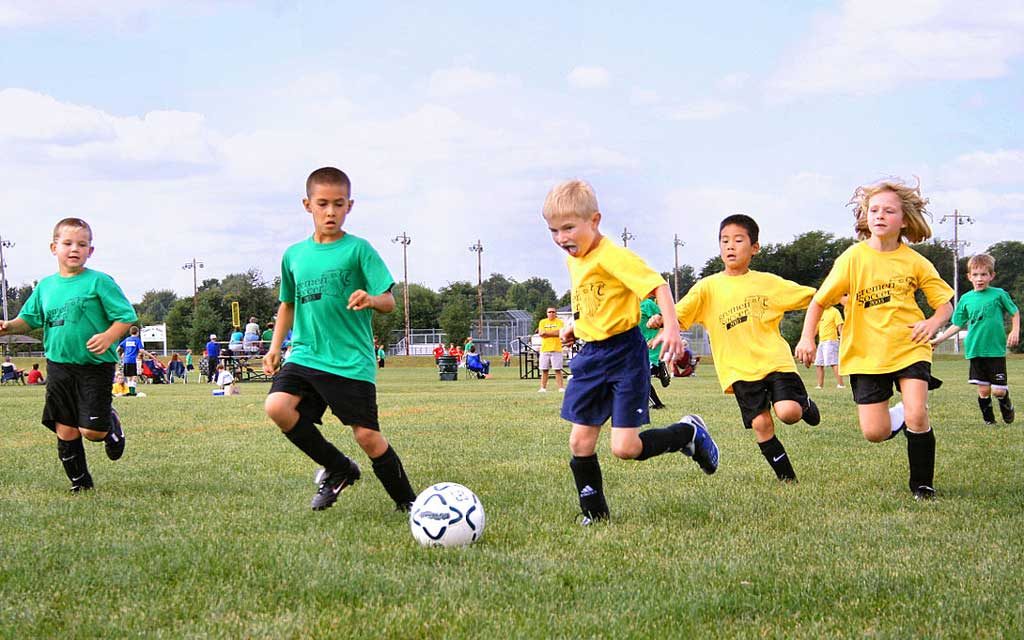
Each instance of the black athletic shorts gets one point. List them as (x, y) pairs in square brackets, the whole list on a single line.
[(756, 397), (988, 371), (78, 395), (869, 388), (354, 402), (131, 369)]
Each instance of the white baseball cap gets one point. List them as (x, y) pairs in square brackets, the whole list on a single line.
[(213, 336)]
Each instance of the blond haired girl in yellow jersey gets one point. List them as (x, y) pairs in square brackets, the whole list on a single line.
[(886, 336)]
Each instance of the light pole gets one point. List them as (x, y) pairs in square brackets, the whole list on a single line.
[(626, 237), (478, 249), (676, 243), (958, 220), (194, 265), (405, 240), (4, 244)]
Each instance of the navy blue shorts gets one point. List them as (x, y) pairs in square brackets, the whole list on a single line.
[(610, 379)]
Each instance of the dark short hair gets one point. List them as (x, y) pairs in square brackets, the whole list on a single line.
[(134, 331), (742, 220), (327, 175)]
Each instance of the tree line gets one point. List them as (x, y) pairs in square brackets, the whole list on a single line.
[(453, 308)]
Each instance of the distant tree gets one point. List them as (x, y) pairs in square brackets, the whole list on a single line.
[(533, 295), (179, 326), (1009, 256), (456, 319), (495, 290), (424, 307), (206, 320), (687, 278), (458, 290), (155, 305), (566, 298)]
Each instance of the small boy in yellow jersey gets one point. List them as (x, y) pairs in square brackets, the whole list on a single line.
[(741, 310), (830, 327), (611, 373)]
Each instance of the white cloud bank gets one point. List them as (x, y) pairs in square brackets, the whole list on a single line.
[(584, 77)]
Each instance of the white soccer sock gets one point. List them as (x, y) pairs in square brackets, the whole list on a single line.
[(896, 416)]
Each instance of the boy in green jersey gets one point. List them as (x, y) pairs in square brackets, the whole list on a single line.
[(985, 346), (331, 283), (83, 314)]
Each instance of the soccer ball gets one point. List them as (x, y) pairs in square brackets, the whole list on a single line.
[(446, 515)]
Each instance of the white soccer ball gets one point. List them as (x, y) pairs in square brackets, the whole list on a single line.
[(446, 515)]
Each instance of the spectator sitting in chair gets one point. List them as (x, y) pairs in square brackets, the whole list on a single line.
[(153, 369), (686, 364), (12, 373), (235, 343), (176, 369), (477, 365), (35, 376)]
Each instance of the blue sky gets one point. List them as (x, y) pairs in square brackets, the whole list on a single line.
[(183, 129)]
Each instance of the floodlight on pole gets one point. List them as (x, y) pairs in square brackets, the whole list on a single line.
[(958, 219), (195, 265), (405, 240), (478, 249), (4, 244), (626, 237), (676, 243)]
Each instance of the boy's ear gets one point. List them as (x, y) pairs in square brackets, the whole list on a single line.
[(597, 218), (756, 247), (305, 205)]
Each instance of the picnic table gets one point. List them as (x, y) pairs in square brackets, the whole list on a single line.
[(246, 367)]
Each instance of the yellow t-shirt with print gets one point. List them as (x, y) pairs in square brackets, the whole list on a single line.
[(741, 315), (828, 326), (882, 309), (607, 286), (550, 344)]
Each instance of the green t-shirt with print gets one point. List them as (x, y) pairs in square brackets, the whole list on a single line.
[(982, 313), (318, 279), (73, 309), (649, 308)]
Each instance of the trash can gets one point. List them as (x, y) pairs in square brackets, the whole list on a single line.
[(448, 368)]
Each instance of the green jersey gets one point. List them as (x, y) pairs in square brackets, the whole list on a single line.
[(649, 308), (73, 309), (318, 280), (982, 313)]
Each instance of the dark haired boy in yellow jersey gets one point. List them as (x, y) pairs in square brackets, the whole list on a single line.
[(741, 310), (611, 373)]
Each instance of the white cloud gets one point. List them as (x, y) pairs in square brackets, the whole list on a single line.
[(461, 80), (733, 81), (709, 109), (644, 97), (981, 168), (871, 46), (589, 78)]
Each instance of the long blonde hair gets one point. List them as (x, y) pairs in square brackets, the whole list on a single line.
[(911, 202)]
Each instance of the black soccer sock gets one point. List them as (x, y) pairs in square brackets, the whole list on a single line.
[(1004, 400), (389, 470), (921, 455), (589, 486), (311, 442), (72, 456), (655, 400), (985, 404), (671, 438), (775, 454)]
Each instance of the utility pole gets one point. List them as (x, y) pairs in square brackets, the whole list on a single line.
[(676, 243), (194, 265), (958, 219), (626, 237), (478, 249), (405, 240), (3, 280)]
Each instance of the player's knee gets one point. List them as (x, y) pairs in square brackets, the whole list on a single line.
[(876, 432), (916, 418), (368, 439), (789, 412), (581, 445), (626, 450), (279, 411)]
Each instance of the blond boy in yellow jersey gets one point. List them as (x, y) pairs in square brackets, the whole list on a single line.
[(741, 310), (885, 336), (611, 373), (829, 329)]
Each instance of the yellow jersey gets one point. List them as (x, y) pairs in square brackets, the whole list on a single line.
[(550, 344), (828, 326), (741, 315), (882, 309), (608, 284)]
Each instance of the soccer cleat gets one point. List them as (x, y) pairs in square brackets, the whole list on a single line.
[(923, 492), (332, 485), (1006, 408), (811, 414), (403, 507), (587, 519), (702, 448), (114, 442), (542, 390), (663, 374), (81, 483)]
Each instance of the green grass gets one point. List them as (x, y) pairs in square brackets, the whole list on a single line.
[(204, 528)]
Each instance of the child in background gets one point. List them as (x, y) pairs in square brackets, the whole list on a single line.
[(982, 311), (830, 327), (886, 336)]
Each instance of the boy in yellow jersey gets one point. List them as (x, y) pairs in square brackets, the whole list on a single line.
[(611, 372), (741, 310), (830, 327)]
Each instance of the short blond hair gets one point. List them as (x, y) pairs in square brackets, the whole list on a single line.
[(911, 202), (571, 197), (982, 261), (71, 223)]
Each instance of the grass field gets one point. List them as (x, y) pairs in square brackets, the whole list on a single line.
[(203, 529)]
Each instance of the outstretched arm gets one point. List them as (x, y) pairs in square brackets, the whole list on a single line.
[(359, 300), (805, 349), (1013, 339), (11, 327), (945, 335)]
